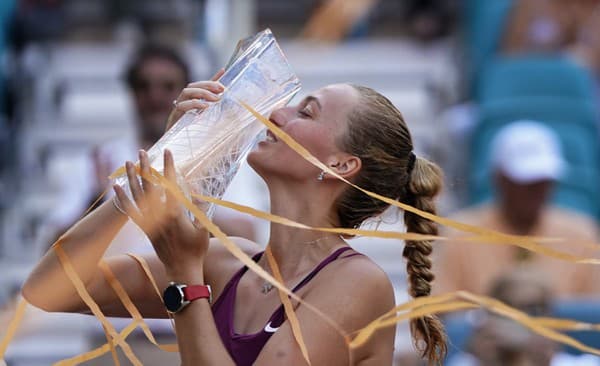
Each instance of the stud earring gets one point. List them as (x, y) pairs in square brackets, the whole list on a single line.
[(321, 176)]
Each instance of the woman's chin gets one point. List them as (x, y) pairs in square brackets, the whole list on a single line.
[(254, 159)]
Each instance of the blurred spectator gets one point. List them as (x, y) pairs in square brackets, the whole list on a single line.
[(155, 76), (503, 342), (428, 20), (527, 161), (555, 26)]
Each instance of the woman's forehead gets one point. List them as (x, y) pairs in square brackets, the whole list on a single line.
[(337, 97)]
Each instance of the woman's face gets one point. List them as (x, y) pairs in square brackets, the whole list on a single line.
[(316, 122)]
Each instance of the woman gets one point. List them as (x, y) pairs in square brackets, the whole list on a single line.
[(356, 132)]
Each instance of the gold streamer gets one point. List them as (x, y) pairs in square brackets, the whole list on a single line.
[(287, 306), (463, 300), (480, 239), (566, 324), (85, 296), (142, 262), (111, 346), (13, 326), (498, 307), (99, 351), (367, 332), (131, 308), (493, 236)]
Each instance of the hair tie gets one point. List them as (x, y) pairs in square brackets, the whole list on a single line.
[(411, 163)]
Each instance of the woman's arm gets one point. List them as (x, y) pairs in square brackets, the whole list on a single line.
[(197, 336), (48, 287)]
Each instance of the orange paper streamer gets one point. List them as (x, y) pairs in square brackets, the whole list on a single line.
[(94, 308), (13, 326), (131, 308), (99, 351), (287, 306)]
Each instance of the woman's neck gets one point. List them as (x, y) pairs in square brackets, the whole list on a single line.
[(294, 249)]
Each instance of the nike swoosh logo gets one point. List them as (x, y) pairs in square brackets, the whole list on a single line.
[(269, 329)]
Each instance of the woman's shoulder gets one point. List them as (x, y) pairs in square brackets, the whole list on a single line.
[(219, 251), (362, 270), (359, 285)]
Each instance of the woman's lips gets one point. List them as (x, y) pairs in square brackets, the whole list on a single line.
[(271, 137)]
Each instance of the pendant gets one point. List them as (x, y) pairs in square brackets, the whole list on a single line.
[(266, 288)]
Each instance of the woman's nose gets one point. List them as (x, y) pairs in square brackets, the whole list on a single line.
[(279, 116)]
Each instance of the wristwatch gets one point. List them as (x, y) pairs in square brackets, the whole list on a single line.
[(177, 296)]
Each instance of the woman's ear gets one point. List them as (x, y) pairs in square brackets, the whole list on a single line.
[(345, 165)]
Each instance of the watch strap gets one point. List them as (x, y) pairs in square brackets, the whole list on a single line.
[(195, 292)]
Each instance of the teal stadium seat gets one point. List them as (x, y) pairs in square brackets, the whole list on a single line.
[(483, 28), (583, 310), (534, 75)]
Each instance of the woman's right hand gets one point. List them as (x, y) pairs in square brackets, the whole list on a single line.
[(196, 95)]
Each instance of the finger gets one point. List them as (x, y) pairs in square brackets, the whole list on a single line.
[(171, 175), (191, 104), (213, 86), (126, 205), (147, 185), (134, 186), (197, 93)]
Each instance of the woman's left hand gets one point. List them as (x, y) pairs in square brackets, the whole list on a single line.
[(178, 243)]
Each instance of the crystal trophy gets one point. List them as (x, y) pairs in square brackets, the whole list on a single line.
[(208, 146)]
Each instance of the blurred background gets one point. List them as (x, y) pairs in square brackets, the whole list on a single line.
[(501, 93)]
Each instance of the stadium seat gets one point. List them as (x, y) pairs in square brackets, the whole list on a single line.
[(484, 25), (583, 310), (533, 75)]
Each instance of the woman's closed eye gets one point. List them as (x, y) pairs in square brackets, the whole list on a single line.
[(305, 112)]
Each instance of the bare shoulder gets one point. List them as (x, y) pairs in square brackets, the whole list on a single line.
[(358, 285), (361, 269), (218, 251), (571, 224)]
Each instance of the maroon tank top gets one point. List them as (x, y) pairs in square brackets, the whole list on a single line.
[(244, 348)]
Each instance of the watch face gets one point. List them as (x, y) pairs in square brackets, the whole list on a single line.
[(172, 297)]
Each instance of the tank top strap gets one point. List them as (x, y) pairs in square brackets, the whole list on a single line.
[(231, 286), (330, 258)]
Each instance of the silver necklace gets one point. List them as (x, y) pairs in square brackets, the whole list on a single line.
[(268, 286)]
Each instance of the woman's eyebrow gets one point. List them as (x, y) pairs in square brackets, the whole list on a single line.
[(311, 98)]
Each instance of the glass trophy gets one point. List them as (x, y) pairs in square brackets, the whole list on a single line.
[(208, 146)]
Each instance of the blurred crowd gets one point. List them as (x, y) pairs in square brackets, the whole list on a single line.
[(513, 120)]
